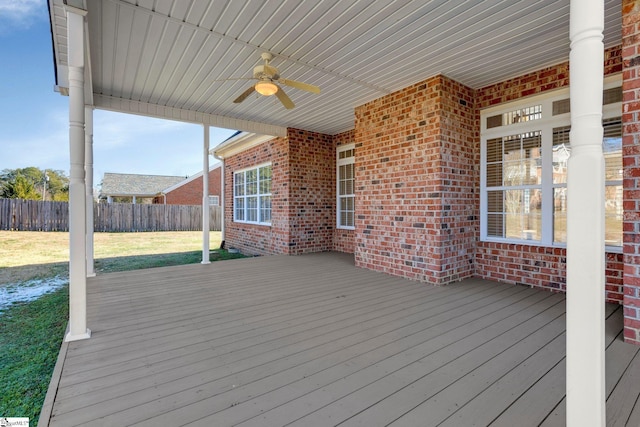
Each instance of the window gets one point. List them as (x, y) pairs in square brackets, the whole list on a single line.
[(214, 201), (514, 190), (525, 149), (345, 179), (252, 195)]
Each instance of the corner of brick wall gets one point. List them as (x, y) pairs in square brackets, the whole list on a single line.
[(302, 193), (631, 164), (312, 169), (416, 182)]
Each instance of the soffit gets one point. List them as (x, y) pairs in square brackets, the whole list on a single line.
[(173, 53)]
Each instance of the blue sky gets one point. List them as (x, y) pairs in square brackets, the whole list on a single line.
[(34, 118)]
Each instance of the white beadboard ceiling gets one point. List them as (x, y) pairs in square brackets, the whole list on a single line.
[(170, 58)]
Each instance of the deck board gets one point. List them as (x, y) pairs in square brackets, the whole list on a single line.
[(312, 340)]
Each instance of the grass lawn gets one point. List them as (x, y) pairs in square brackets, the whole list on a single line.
[(26, 255), (31, 333)]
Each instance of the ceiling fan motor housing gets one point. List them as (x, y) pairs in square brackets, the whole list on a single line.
[(265, 71)]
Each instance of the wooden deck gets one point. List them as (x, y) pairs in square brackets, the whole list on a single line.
[(313, 341)]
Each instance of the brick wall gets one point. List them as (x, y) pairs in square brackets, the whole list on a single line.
[(312, 170), (302, 192), (261, 239), (416, 174), (533, 265), (538, 82), (191, 192), (539, 266), (343, 240), (631, 163)]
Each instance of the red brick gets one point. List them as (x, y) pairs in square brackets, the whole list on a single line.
[(191, 192)]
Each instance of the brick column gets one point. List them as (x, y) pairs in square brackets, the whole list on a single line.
[(631, 162), (416, 182)]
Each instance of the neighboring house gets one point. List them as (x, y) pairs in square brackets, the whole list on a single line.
[(436, 182), (189, 190), (132, 188)]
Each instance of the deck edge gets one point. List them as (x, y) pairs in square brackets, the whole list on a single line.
[(50, 397)]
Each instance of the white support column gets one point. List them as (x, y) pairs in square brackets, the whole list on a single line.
[(205, 197), (77, 207), (585, 220), (222, 227), (88, 168)]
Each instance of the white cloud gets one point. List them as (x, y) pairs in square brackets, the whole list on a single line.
[(21, 13)]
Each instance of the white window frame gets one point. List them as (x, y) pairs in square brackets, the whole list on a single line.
[(214, 200), (342, 162), (245, 196), (545, 125)]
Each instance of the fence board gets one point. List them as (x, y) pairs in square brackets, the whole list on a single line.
[(36, 215)]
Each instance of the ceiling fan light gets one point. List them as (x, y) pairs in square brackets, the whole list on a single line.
[(266, 88)]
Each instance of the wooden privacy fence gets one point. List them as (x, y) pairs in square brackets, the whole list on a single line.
[(35, 215)]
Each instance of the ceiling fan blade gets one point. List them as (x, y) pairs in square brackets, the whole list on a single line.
[(300, 85), (286, 101), (244, 95)]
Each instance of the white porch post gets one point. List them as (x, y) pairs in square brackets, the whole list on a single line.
[(222, 189), (585, 220), (205, 197), (77, 206), (88, 167)]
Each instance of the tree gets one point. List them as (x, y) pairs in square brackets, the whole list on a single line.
[(45, 184), (20, 188)]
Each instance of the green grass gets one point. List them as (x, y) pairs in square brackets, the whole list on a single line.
[(31, 333), (30, 337)]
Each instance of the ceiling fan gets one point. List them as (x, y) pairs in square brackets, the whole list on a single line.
[(267, 77)]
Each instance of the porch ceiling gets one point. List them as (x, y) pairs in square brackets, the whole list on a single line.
[(167, 57)]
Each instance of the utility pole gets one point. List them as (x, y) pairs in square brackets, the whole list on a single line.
[(44, 186)]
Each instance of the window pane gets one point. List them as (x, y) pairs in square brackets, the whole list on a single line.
[(612, 147), (348, 219), (561, 152), (265, 180), (348, 172), (345, 154), (265, 209), (494, 150), (523, 214), (238, 180), (252, 209), (494, 175), (523, 159), (495, 225), (239, 209), (495, 201), (347, 205), (349, 186), (522, 115), (252, 181), (560, 215), (494, 121), (346, 180), (613, 213)]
